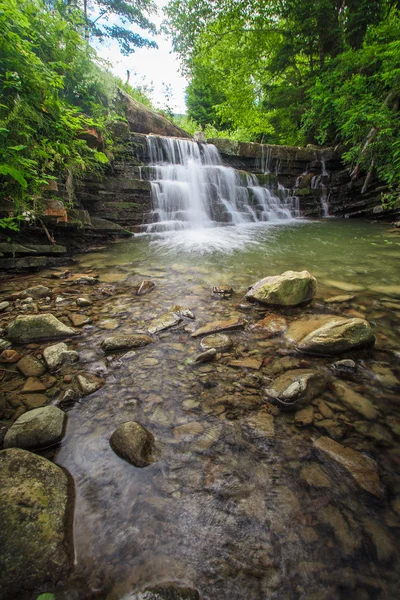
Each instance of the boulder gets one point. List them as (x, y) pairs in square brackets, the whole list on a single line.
[(36, 328), (115, 343), (288, 289), (296, 388), (330, 335), (36, 523), (58, 354), (37, 428), (133, 443), (362, 468)]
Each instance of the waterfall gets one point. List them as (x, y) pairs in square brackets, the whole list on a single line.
[(192, 189), (318, 183)]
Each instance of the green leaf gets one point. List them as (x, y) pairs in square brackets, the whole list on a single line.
[(101, 158), (46, 596), (15, 174), (17, 148)]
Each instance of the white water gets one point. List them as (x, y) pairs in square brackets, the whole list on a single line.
[(193, 190), (318, 183)]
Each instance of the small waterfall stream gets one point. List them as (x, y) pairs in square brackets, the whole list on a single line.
[(192, 189)]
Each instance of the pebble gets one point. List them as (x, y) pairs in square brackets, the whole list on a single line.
[(4, 305)]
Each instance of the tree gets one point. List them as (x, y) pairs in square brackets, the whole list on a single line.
[(203, 96)]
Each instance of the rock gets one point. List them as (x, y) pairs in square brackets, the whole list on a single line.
[(393, 421), (261, 424), (4, 305), (83, 302), (288, 289), (4, 344), (216, 326), (329, 335), (89, 383), (387, 290), (343, 285), (79, 320), (9, 356), (362, 468), (133, 443), (345, 366), (355, 401), (35, 328), (168, 591), (247, 363), (270, 326), (33, 384), (38, 428), (109, 324), (219, 342), (296, 388), (166, 321), (35, 400), (383, 543), (181, 311), (339, 299), (58, 354), (314, 475), (304, 417), (31, 366), (115, 343), (206, 356), (223, 291), (324, 409), (39, 291), (84, 280), (188, 430), (36, 503), (346, 535), (385, 376), (145, 287)]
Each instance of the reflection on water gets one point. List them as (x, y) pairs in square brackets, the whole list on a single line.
[(228, 509)]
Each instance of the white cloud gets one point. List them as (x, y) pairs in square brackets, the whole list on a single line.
[(153, 67)]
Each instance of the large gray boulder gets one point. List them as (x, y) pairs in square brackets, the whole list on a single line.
[(37, 428), (133, 443), (288, 289), (35, 328), (330, 335), (36, 509)]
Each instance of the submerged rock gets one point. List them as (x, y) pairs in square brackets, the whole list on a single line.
[(261, 424), (219, 341), (115, 343), (58, 354), (296, 388), (355, 401), (206, 356), (133, 443), (39, 291), (362, 468), (166, 321), (304, 417), (270, 326), (38, 428), (36, 522), (89, 383), (145, 287), (288, 289), (216, 326), (329, 335), (35, 328)]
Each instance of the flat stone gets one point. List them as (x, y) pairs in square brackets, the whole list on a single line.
[(271, 326), (122, 342), (296, 388), (83, 302), (339, 299), (304, 417), (219, 342), (36, 503), (383, 543), (36, 328), (343, 285), (89, 383), (31, 366), (247, 363), (355, 401), (288, 289), (133, 443), (206, 356), (33, 384), (109, 324), (314, 476), (58, 355), (363, 469), (385, 376), (35, 400), (38, 428), (166, 321), (181, 311), (346, 535), (38, 291), (261, 423), (216, 326), (4, 305), (188, 430), (388, 290), (330, 335), (78, 320)]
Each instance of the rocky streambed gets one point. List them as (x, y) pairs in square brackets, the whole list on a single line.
[(166, 428)]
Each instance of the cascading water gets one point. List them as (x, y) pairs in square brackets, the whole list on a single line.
[(318, 183), (191, 189)]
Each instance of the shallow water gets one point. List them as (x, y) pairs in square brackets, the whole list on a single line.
[(226, 510)]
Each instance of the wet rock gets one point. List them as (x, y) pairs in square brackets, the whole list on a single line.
[(270, 326), (375, 432), (355, 401), (385, 376), (339, 299), (33, 384), (31, 366), (89, 383), (122, 342), (58, 355), (223, 291), (4, 344), (329, 335), (166, 321), (167, 591), (345, 366), (314, 475), (35, 328), (181, 311), (133, 443), (323, 409), (393, 422), (261, 424), (35, 400), (206, 356), (247, 363), (296, 388), (36, 516), (383, 543), (216, 326), (347, 536), (304, 417), (188, 430), (288, 289), (109, 324), (9, 356), (38, 428), (219, 341), (363, 469), (331, 427), (145, 287), (79, 320), (83, 302), (39, 291), (343, 285), (4, 305), (387, 290), (83, 280)]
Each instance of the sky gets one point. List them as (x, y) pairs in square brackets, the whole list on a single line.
[(150, 66)]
